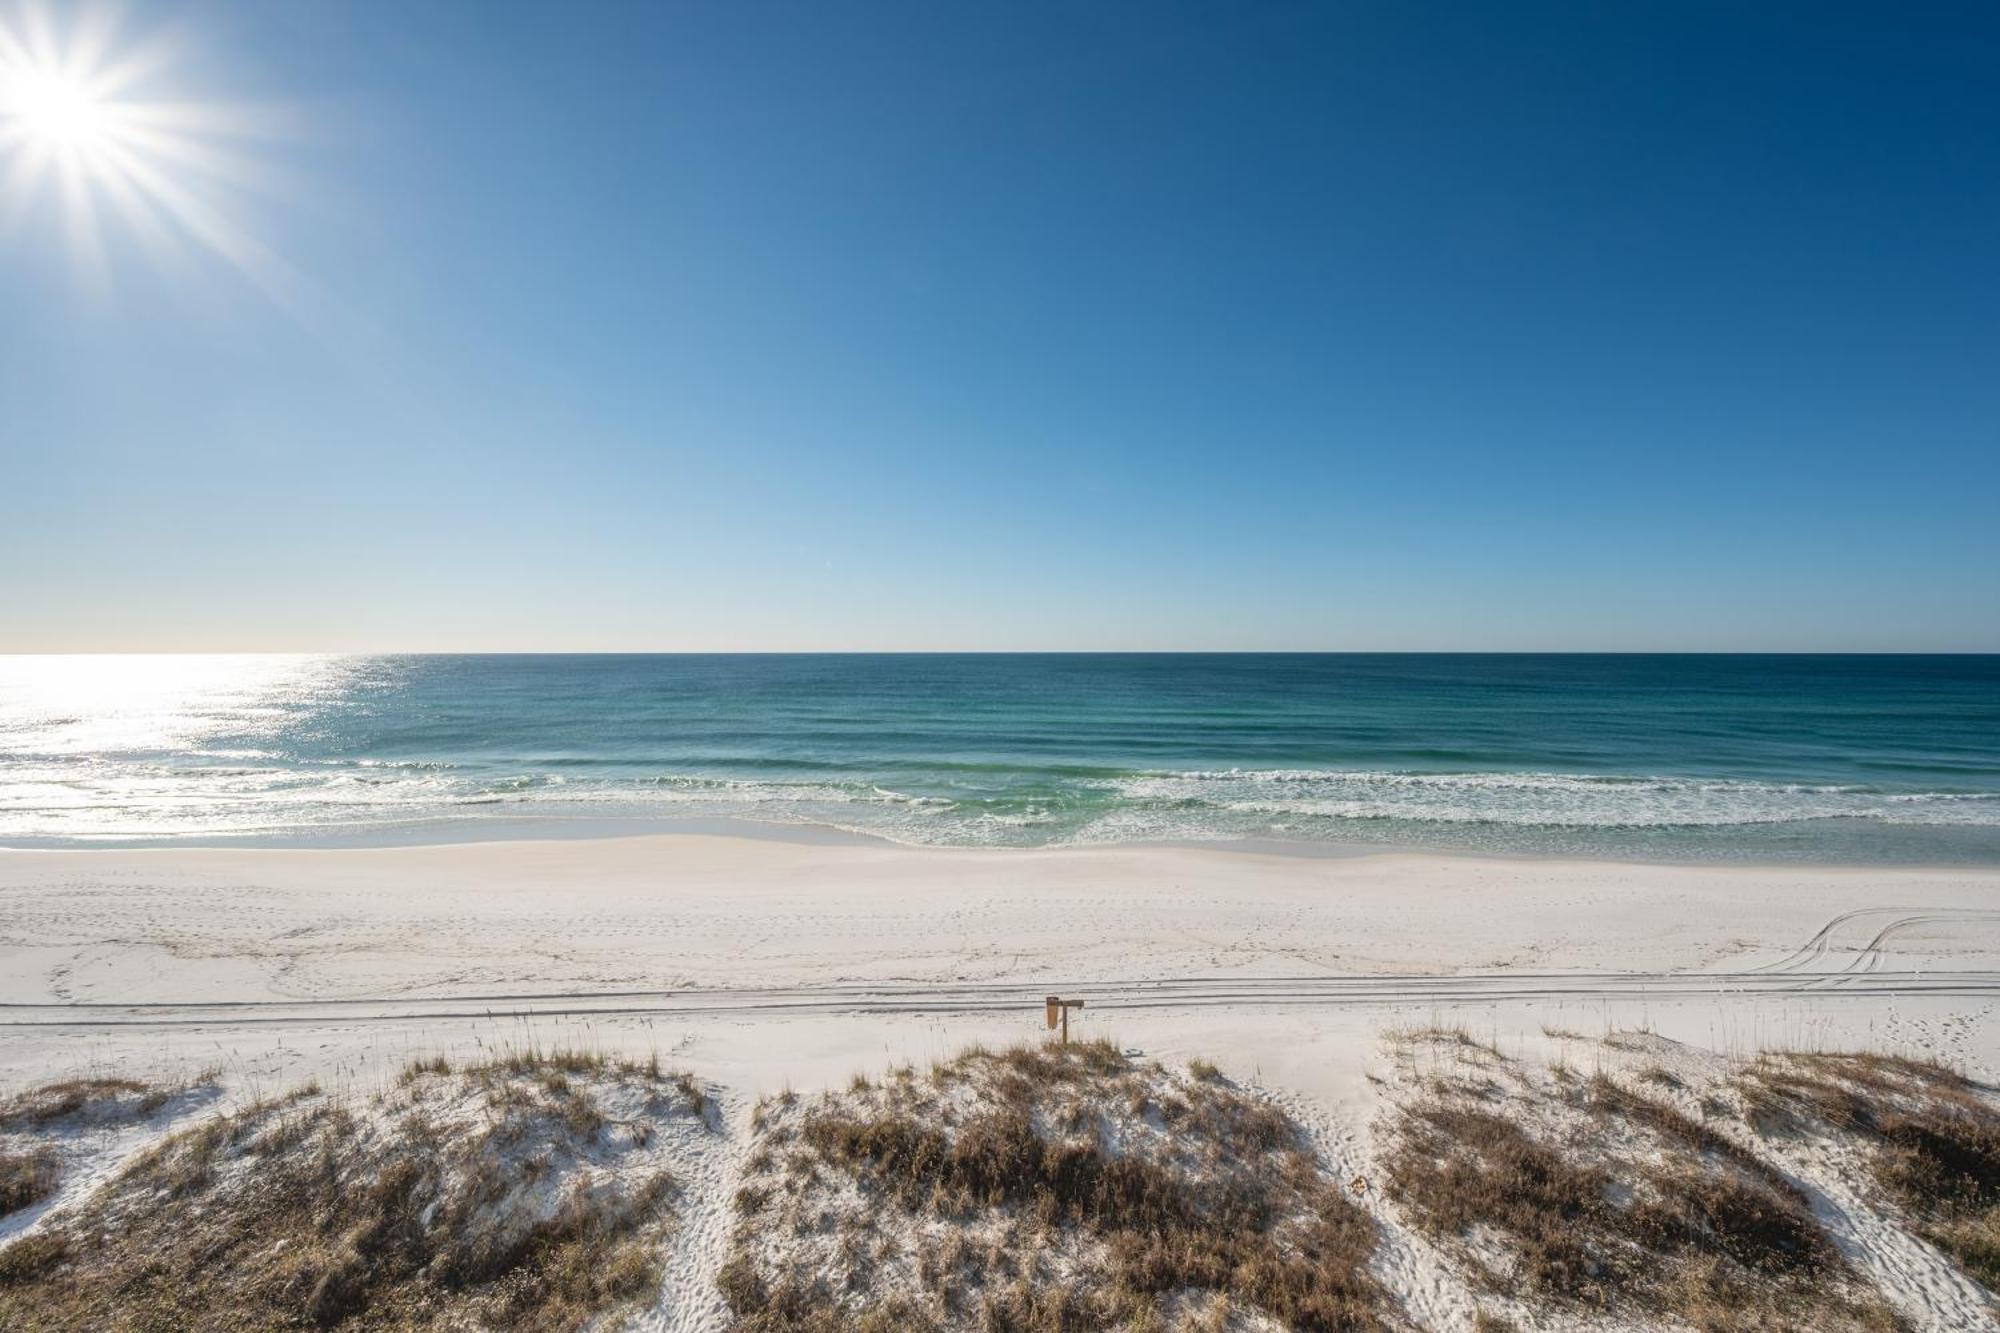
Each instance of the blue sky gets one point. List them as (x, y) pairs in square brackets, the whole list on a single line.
[(1640, 326)]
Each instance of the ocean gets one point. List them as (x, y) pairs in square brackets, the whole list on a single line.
[(1882, 759)]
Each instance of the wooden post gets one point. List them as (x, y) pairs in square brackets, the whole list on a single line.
[(1055, 1009)]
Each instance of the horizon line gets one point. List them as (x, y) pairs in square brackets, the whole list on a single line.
[(1001, 652)]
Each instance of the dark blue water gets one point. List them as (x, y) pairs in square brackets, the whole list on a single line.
[(1837, 758)]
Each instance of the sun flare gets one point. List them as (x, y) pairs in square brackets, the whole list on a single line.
[(60, 112), (92, 125)]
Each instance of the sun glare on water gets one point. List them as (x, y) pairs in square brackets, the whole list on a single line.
[(92, 125)]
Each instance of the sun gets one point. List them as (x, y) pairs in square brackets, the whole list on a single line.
[(94, 127), (65, 105), (59, 113)]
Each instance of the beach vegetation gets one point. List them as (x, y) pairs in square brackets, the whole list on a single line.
[(513, 1194), (1044, 1187), (1931, 1137), (1596, 1196), (26, 1178), (95, 1098), (43, 1126)]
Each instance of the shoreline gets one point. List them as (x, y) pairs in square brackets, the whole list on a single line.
[(483, 831)]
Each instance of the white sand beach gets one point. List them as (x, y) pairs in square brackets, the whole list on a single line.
[(765, 960), (764, 964)]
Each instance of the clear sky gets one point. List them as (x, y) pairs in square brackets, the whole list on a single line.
[(928, 325)]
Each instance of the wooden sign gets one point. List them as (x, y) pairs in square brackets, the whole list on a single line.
[(1055, 1010)]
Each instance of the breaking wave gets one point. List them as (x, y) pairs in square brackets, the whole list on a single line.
[(1552, 800), (1842, 759)]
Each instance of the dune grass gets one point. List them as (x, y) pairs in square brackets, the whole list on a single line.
[(1594, 1195), (26, 1178), (32, 1120), (512, 1195), (95, 1098), (1042, 1188), (1934, 1136)]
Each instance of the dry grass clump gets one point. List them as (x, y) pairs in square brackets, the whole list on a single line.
[(1043, 1188), (1935, 1136), (61, 1100), (1592, 1194), (27, 1178), (518, 1197), (95, 1099), (41, 1125), (552, 1067)]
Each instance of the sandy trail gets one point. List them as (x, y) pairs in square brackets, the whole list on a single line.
[(938, 998)]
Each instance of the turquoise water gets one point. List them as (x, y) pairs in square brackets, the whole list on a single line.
[(1833, 758)]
